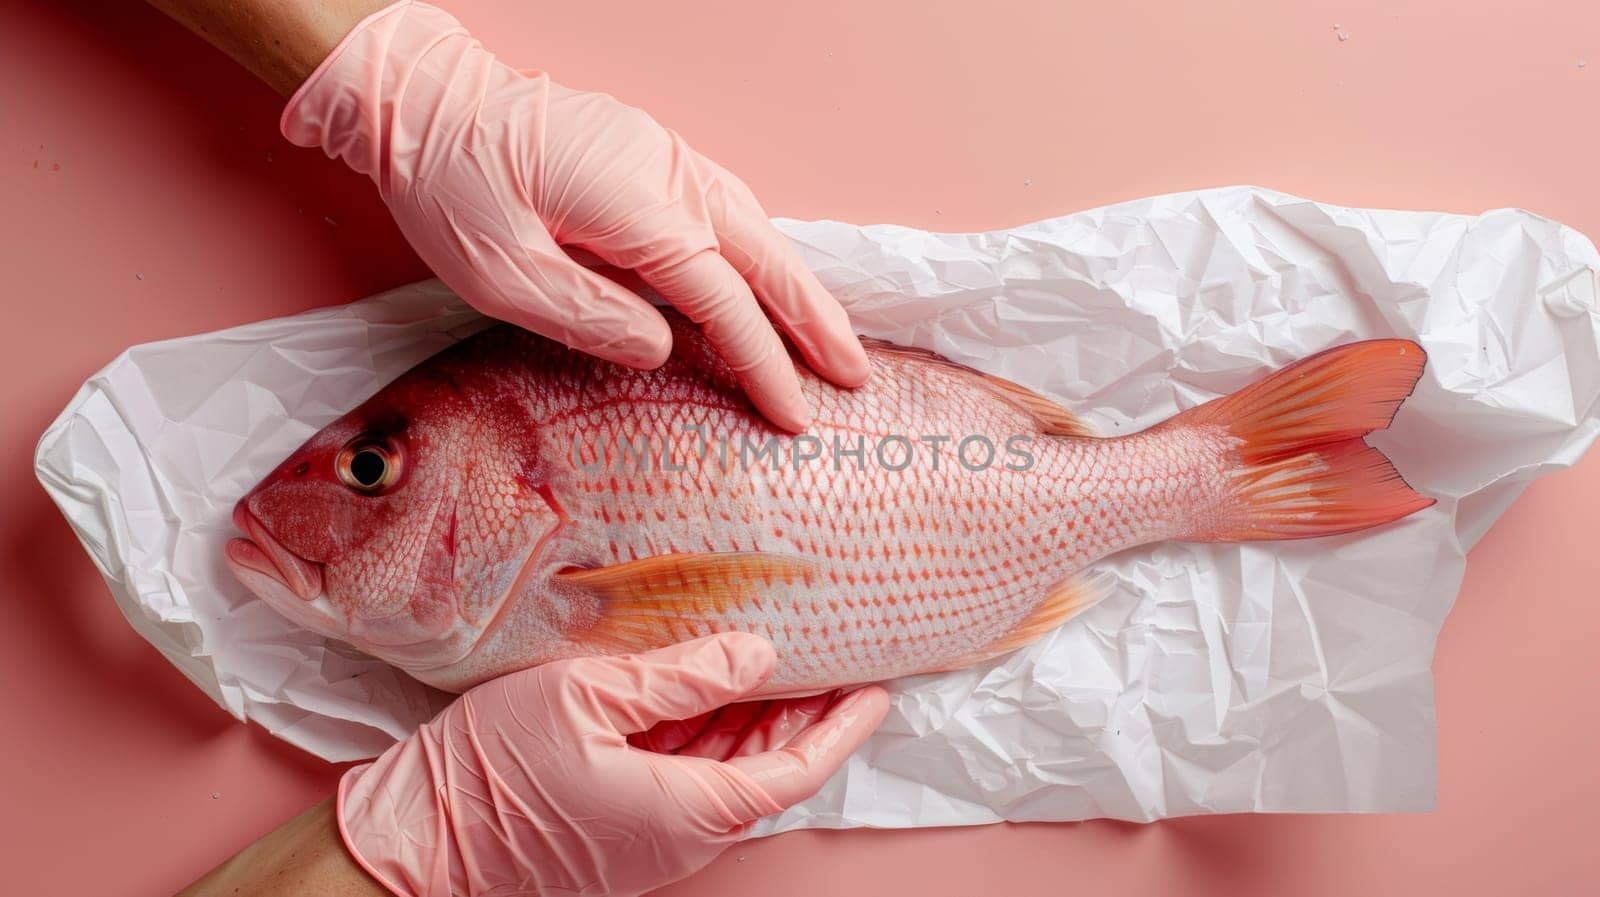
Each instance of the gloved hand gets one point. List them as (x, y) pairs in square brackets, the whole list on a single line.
[(737, 730), (528, 784), (490, 172)]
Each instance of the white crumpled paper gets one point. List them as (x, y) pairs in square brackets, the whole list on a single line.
[(1221, 678)]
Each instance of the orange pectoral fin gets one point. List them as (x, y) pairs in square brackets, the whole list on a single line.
[(1068, 599), (672, 598)]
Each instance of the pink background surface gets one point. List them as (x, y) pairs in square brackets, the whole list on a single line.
[(128, 148)]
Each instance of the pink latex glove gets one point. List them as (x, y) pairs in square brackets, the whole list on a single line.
[(490, 172), (738, 730), (529, 784)]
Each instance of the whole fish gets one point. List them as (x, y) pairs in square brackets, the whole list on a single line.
[(511, 502)]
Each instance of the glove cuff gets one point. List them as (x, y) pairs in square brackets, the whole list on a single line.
[(376, 835), (349, 103)]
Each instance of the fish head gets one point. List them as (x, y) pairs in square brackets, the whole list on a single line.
[(404, 527)]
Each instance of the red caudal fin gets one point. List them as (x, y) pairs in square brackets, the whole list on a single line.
[(1299, 466)]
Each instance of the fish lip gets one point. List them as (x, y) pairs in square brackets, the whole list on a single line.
[(262, 553)]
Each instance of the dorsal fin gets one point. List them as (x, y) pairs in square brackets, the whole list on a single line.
[(1052, 419)]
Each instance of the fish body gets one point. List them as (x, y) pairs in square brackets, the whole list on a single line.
[(511, 502)]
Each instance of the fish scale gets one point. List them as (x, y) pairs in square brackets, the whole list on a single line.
[(497, 540), (859, 619)]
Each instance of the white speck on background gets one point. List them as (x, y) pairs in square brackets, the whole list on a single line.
[(1343, 37)]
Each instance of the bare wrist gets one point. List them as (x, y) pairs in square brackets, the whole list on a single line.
[(280, 41), (303, 856)]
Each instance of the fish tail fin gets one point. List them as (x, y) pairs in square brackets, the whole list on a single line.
[(1299, 466)]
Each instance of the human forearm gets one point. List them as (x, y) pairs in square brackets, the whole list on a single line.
[(280, 41), (549, 780), (303, 857)]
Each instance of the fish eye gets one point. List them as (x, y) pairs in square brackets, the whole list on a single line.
[(368, 466)]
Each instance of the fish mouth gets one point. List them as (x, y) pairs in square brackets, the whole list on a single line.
[(295, 588), (265, 555), (278, 576)]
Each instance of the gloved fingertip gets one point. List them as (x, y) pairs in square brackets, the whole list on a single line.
[(790, 413), (867, 706), (751, 658), (654, 341), (617, 325), (851, 367), (645, 353), (798, 417), (650, 355)]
